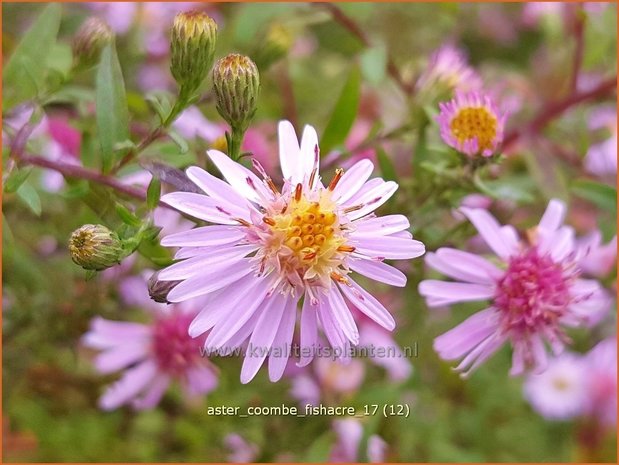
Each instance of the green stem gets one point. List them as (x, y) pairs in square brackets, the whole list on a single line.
[(235, 140)]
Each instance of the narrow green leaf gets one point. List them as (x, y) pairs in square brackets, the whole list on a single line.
[(603, 195), (180, 141), (153, 193), (16, 179), (111, 106), (126, 216), (30, 197), (344, 113), (386, 165), (24, 73)]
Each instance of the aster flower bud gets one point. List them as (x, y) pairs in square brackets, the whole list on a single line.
[(194, 35), (275, 46), (90, 39), (158, 290), (95, 247), (237, 83)]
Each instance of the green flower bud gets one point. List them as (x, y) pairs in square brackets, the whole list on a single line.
[(274, 47), (90, 39), (95, 247), (159, 290), (194, 35), (237, 84)]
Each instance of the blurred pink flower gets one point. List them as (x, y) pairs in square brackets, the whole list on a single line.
[(559, 392), (349, 433), (598, 259), (305, 241), (151, 356), (448, 66), (600, 379), (242, 451), (472, 124), (575, 385), (535, 292), (601, 158)]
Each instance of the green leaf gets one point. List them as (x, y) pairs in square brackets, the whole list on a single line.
[(603, 195), (153, 193), (374, 64), (180, 141), (126, 216), (111, 106), (516, 188), (343, 114), (30, 197), (16, 179), (386, 165), (24, 73)]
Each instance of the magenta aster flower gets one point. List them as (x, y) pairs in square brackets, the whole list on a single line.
[(270, 248), (534, 291), (601, 381), (152, 355), (471, 123)]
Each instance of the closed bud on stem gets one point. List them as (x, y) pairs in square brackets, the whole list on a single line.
[(194, 35), (237, 84), (159, 290), (274, 47), (95, 247), (90, 39)]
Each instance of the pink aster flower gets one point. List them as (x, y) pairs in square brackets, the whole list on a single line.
[(349, 435), (601, 381), (534, 291), (269, 248), (151, 355), (449, 66), (559, 392), (472, 124)]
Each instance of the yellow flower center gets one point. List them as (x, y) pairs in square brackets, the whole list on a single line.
[(475, 122), (561, 384), (309, 235)]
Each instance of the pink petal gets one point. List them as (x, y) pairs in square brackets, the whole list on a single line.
[(309, 144), (333, 332), (215, 187), (207, 209), (459, 341), (490, 230), (380, 226), (283, 341), (120, 357), (211, 280), (153, 394), (374, 199), (396, 248), (262, 338), (463, 266), (440, 293), (133, 381), (289, 153), (308, 332), (217, 260), (352, 180), (226, 328), (368, 304), (205, 236), (553, 216), (240, 178), (201, 380), (341, 315), (379, 271)]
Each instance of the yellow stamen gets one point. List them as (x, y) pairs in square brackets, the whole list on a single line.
[(474, 122)]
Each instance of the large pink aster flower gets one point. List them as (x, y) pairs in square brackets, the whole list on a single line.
[(534, 291), (152, 355), (270, 248)]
